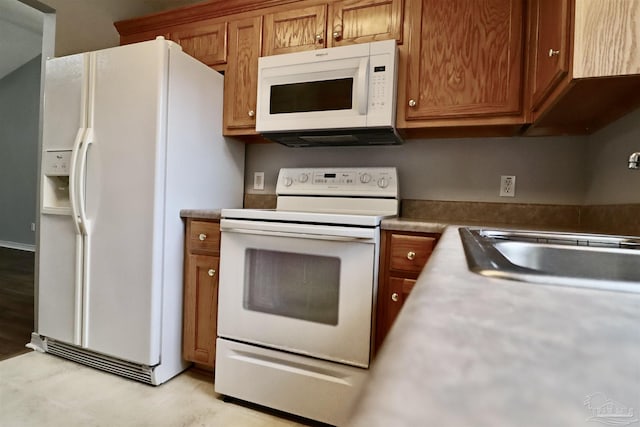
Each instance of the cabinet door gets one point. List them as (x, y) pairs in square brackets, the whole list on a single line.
[(361, 21), (550, 64), (205, 41), (295, 30), (393, 296), (241, 77), (200, 309), (464, 59)]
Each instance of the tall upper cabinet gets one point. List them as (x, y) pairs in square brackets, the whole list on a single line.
[(462, 64), (585, 64), (241, 77)]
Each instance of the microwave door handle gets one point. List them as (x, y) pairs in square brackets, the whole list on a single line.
[(362, 86)]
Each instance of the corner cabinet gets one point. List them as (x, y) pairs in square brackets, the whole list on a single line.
[(462, 64), (402, 257), (201, 272), (584, 67)]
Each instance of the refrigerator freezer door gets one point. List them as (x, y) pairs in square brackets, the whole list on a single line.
[(60, 249), (124, 198)]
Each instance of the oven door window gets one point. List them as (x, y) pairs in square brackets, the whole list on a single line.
[(293, 285)]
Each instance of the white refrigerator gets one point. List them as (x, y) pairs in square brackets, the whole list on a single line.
[(131, 135)]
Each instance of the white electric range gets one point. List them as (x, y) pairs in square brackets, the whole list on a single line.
[(298, 291)]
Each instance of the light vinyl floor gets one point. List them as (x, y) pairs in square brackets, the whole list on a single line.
[(43, 390)]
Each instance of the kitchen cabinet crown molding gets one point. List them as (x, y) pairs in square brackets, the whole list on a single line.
[(193, 13)]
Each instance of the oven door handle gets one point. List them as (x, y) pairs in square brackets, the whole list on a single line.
[(300, 231), (298, 235)]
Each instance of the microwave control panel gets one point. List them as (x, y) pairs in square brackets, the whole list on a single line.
[(351, 182)]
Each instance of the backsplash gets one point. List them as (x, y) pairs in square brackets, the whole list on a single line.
[(581, 170), (609, 219)]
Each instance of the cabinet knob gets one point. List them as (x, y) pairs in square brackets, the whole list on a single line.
[(251, 113), (319, 38), (411, 255), (337, 35), (412, 103), (395, 297), (202, 236), (211, 272), (553, 53)]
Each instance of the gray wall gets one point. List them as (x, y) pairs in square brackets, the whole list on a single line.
[(556, 170), (610, 180), (19, 112)]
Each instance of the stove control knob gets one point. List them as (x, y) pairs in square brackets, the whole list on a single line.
[(383, 183), (288, 181), (365, 178), (303, 178)]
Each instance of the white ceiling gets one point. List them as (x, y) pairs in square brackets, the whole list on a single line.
[(21, 35)]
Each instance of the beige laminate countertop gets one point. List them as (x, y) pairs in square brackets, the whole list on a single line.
[(467, 350), (200, 213)]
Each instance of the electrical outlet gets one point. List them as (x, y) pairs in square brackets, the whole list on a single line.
[(507, 186), (258, 180)]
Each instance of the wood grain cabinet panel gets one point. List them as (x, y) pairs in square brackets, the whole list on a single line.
[(241, 76), (200, 309), (464, 61), (550, 64), (410, 253), (295, 30), (361, 21), (402, 258), (205, 41), (585, 66)]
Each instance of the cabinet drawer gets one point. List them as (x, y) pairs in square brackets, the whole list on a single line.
[(410, 253), (204, 236)]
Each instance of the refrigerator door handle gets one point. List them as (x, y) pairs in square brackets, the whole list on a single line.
[(73, 179), (73, 199), (82, 169)]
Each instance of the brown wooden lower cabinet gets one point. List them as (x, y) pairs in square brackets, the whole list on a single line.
[(402, 257), (201, 272)]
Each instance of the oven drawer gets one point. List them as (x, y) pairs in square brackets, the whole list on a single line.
[(306, 386), (410, 253), (203, 237)]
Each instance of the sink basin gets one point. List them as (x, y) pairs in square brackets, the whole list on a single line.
[(569, 259)]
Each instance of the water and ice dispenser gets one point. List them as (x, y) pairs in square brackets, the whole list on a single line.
[(56, 165)]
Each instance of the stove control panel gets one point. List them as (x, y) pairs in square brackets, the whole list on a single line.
[(379, 182)]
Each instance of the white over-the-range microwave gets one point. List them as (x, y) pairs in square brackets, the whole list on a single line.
[(335, 96)]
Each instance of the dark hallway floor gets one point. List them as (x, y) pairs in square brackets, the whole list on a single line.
[(16, 301)]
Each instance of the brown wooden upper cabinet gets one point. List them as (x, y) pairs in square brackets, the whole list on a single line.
[(585, 71), (205, 41), (463, 64), (295, 30), (336, 24), (241, 76), (551, 21), (362, 21)]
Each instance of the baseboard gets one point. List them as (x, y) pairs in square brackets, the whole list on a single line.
[(18, 246)]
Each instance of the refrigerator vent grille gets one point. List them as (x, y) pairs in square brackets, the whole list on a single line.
[(142, 373)]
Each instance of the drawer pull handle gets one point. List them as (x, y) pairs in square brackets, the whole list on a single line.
[(395, 297), (411, 255), (202, 236), (211, 272)]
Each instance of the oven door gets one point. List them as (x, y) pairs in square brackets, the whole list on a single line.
[(306, 289)]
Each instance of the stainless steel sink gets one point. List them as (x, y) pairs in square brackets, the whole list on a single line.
[(570, 259)]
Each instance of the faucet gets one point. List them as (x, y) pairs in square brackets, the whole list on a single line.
[(634, 160)]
